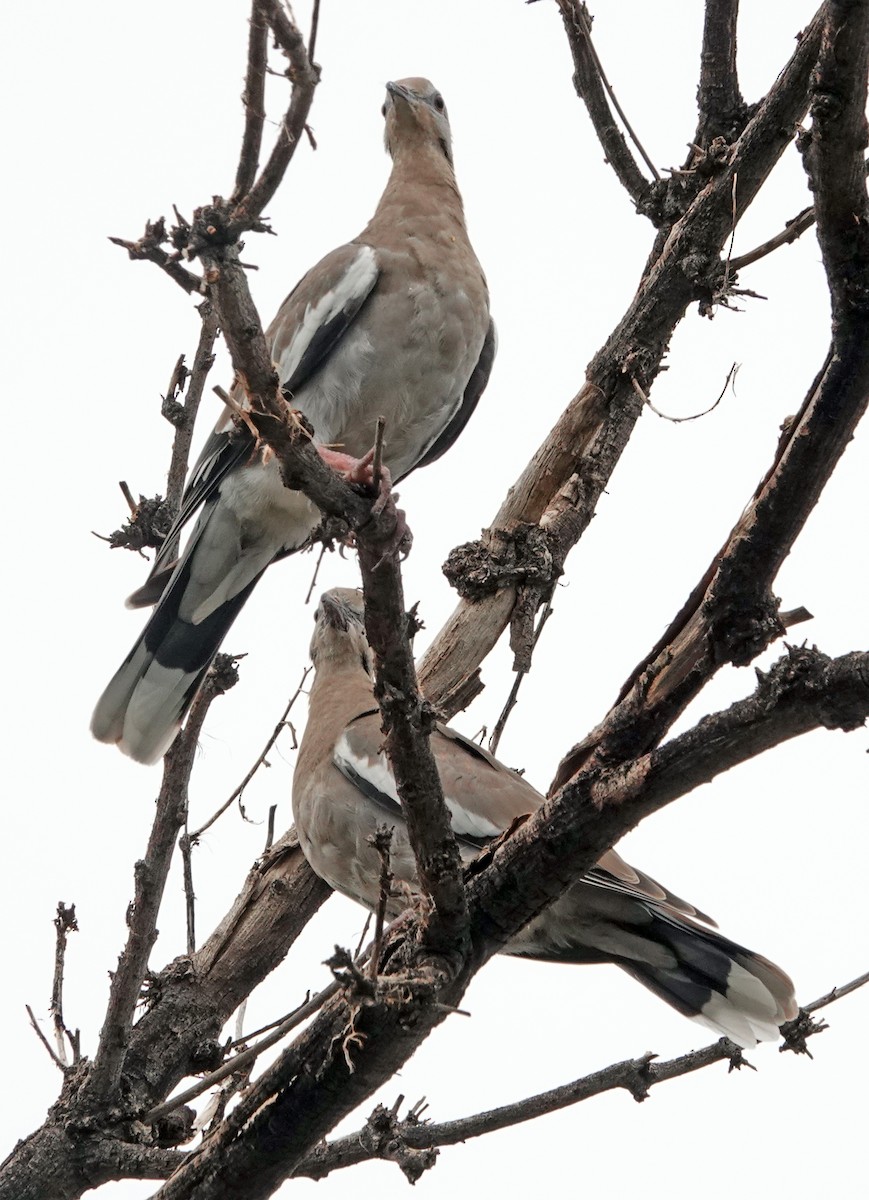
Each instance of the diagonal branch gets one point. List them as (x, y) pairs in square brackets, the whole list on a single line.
[(358, 1041), (150, 880), (592, 86), (183, 416), (564, 480), (731, 614), (253, 99), (304, 76), (794, 228), (383, 1136), (804, 690)]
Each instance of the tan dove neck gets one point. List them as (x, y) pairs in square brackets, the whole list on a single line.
[(422, 181), (341, 691)]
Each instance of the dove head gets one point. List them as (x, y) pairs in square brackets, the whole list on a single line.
[(416, 117), (339, 632)]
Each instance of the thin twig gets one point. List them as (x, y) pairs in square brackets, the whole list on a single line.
[(184, 415), (364, 934), (589, 88), (731, 375), (585, 26), (377, 461), (316, 573), (270, 828), (793, 229), (260, 761), (253, 98), (382, 843), (246, 1056), (837, 993), (57, 1061), (312, 40), (64, 923), (501, 723), (128, 496), (185, 846)]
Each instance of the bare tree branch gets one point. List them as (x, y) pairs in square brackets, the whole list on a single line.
[(150, 881), (253, 99), (183, 416), (64, 923), (794, 228), (245, 1057), (833, 154), (370, 1025), (59, 1062), (564, 480), (407, 723), (719, 100), (304, 76), (383, 1136), (356, 1044), (238, 792), (149, 248), (731, 614), (592, 86)]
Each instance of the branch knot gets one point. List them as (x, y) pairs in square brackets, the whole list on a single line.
[(502, 558)]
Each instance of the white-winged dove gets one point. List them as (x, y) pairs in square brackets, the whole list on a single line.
[(395, 323), (343, 789)]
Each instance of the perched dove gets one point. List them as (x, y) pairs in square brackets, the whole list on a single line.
[(343, 788), (395, 323)]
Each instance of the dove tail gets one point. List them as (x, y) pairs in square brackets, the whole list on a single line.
[(715, 981), (145, 703)]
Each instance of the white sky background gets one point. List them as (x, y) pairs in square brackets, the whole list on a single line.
[(114, 113)]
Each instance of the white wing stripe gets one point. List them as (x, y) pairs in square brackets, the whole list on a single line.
[(378, 773), (356, 282)]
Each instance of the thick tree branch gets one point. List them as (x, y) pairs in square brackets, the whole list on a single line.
[(803, 691), (731, 614), (406, 720), (195, 997), (407, 723), (358, 1040), (719, 101), (833, 153)]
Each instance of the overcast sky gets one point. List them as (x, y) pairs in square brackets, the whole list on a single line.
[(117, 112)]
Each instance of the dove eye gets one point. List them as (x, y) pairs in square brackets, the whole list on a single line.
[(439, 102), (383, 110)]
